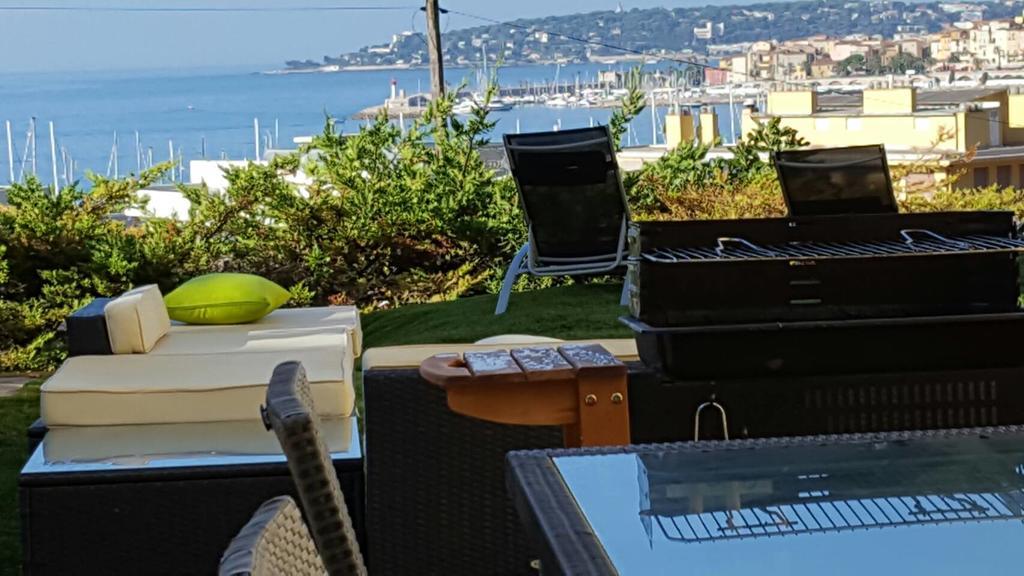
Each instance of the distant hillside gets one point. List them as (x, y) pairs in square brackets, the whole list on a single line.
[(659, 30)]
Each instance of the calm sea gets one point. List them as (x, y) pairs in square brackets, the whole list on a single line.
[(185, 108)]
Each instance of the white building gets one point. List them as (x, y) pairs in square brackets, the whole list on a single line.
[(163, 201)]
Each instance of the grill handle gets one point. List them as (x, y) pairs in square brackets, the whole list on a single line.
[(696, 419), (724, 241), (908, 237)]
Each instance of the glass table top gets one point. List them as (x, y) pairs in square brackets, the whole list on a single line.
[(945, 507), (133, 447)]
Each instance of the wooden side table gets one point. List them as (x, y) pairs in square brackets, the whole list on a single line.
[(581, 387)]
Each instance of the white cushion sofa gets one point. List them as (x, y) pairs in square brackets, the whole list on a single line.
[(159, 372)]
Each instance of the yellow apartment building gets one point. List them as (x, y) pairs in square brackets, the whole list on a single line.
[(988, 122)]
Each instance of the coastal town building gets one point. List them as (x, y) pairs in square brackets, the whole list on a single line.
[(823, 67), (708, 30), (963, 138), (965, 45), (977, 133), (716, 76)]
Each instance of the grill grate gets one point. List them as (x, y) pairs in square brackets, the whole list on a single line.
[(913, 242), (817, 515)]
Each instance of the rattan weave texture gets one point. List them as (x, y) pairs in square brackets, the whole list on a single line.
[(436, 497), (274, 543), (290, 413)]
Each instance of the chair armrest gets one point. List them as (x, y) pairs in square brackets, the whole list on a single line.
[(87, 330)]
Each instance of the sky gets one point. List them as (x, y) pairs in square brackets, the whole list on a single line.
[(47, 41)]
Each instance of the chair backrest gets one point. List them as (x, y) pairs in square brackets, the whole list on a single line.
[(824, 181), (570, 190), (289, 411), (274, 542)]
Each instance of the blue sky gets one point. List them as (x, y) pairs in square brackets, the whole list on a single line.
[(51, 41)]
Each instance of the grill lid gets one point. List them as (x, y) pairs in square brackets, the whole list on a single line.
[(853, 180)]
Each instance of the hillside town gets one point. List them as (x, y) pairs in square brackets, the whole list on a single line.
[(965, 46), (795, 40)]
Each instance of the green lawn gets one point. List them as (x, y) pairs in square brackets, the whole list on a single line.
[(16, 413), (579, 311)]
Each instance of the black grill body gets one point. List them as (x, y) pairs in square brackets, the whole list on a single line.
[(832, 347), (699, 273), (666, 410)]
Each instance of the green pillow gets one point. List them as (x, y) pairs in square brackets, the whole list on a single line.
[(224, 298)]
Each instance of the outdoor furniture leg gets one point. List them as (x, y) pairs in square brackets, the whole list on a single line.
[(514, 270), (624, 298)]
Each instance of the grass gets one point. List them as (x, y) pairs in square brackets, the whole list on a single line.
[(16, 413), (569, 312)]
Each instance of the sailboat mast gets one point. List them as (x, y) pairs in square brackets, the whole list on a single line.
[(732, 116), (483, 51), (64, 164), (654, 122), (53, 157), (256, 136), (32, 137), (10, 154)]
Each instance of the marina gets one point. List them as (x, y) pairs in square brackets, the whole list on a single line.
[(180, 116), (119, 123)]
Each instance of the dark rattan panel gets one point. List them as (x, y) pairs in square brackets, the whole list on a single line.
[(177, 523), (436, 499)]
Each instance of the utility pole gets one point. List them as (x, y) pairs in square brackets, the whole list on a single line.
[(434, 48)]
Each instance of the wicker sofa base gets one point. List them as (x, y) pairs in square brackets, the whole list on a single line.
[(435, 480), (171, 521)]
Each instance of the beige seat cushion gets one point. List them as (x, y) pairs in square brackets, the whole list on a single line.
[(136, 320), (225, 342), (186, 383), (143, 443), (412, 356), (293, 321), (513, 339)]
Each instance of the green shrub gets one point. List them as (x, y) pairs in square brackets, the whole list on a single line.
[(685, 184), (390, 217), (59, 250), (989, 198)]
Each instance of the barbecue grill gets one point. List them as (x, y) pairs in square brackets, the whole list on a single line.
[(826, 324), (830, 267)]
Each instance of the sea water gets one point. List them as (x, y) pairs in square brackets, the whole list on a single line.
[(185, 109)]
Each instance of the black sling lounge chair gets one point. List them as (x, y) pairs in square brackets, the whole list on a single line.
[(827, 181), (574, 204)]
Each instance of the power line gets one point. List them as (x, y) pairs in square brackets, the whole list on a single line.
[(185, 9)]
